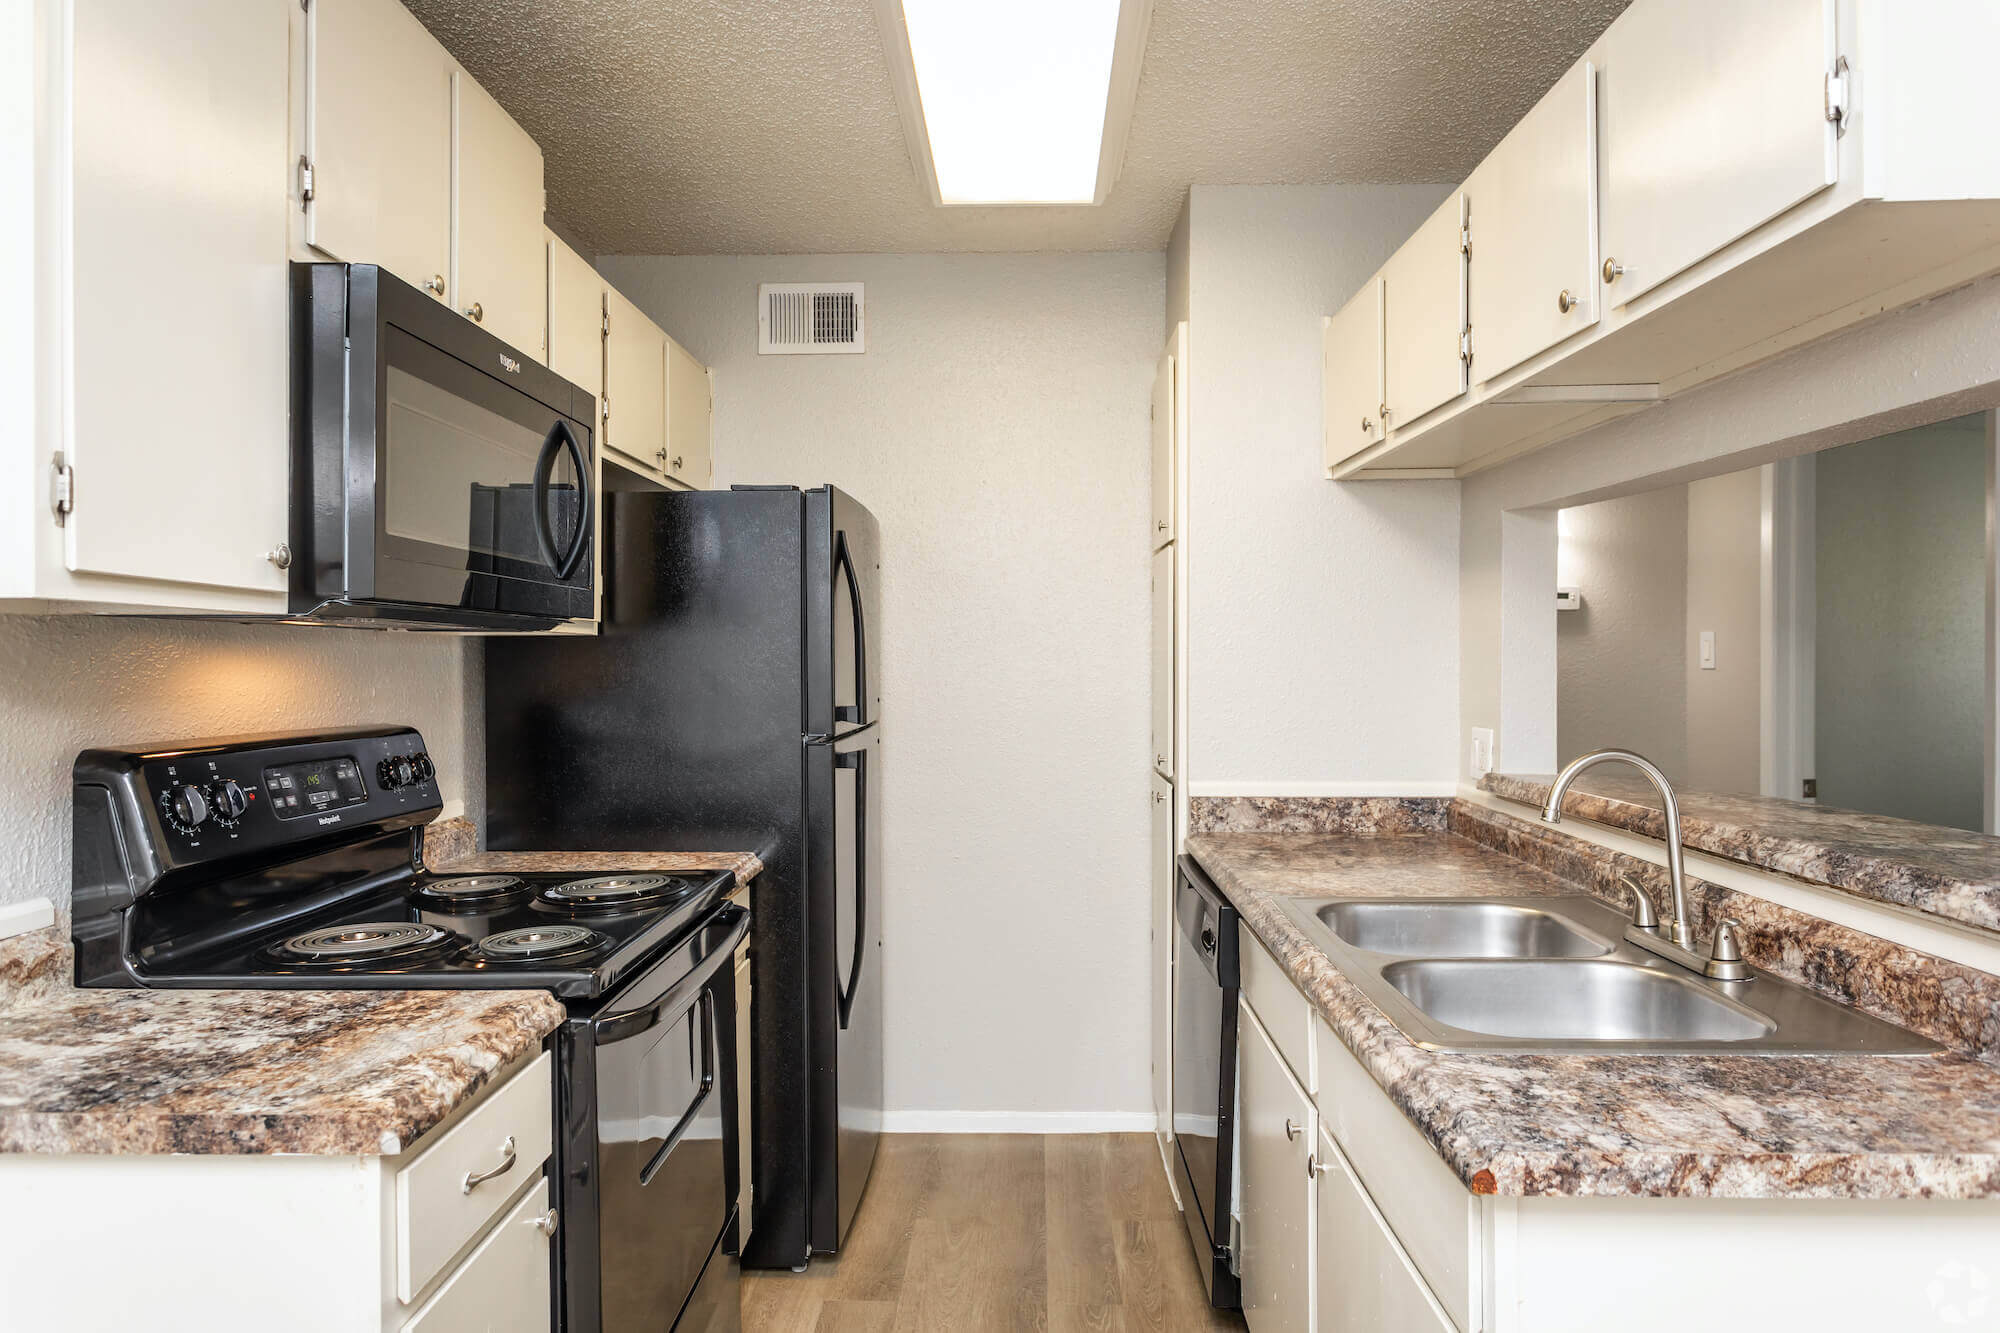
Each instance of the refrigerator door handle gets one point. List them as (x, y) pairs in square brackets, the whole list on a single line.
[(844, 563), (858, 761)]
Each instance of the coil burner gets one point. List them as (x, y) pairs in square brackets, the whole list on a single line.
[(369, 943), (615, 893), (535, 943), (471, 893)]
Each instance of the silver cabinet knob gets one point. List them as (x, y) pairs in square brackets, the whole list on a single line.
[(546, 1223), (474, 1179), (435, 284), (1564, 301), (1315, 1167), (476, 313), (678, 461), (1612, 271), (280, 555), (1367, 425), (1291, 1130), (1161, 526), (1157, 798)]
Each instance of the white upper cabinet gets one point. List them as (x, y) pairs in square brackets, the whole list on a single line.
[(497, 205), (633, 406), (379, 137), (1162, 530), (178, 307), (690, 415), (1533, 216), (1423, 308), (576, 317), (1353, 375), (1713, 122)]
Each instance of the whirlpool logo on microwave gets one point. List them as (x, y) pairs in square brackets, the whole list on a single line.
[(512, 366)]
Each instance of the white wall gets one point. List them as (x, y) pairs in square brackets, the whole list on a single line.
[(1933, 361), (1323, 616), (1621, 655), (997, 427), (1724, 703), (71, 682)]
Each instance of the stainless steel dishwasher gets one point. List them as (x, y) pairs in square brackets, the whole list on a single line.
[(1206, 982)]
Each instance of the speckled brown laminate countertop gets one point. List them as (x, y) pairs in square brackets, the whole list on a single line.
[(266, 1071), (1948, 873), (1666, 1125)]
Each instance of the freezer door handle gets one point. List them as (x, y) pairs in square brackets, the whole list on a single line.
[(858, 761), (843, 563)]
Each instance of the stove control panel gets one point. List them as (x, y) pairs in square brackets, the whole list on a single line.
[(198, 803)]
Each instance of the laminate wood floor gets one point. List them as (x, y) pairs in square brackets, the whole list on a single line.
[(993, 1233)]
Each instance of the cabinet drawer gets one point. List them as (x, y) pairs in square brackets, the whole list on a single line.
[(440, 1201), (1425, 1205), (503, 1286), (1366, 1282), (1280, 1008)]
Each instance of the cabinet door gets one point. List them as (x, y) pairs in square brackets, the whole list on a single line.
[(1163, 956), (180, 308), (576, 317), (1713, 119), (379, 125), (1423, 316), (1275, 1133), (503, 1287), (1163, 660), (690, 418), (1353, 374), (1364, 1282), (634, 401), (1163, 450), (501, 271), (1532, 210)]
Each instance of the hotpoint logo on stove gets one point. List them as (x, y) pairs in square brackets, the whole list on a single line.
[(328, 819)]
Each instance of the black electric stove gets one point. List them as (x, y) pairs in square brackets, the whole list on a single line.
[(298, 862)]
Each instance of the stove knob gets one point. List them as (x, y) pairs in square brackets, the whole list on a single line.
[(385, 774), (421, 764), (395, 771), (188, 806), (228, 801)]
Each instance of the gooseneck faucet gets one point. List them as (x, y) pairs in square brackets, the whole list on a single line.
[(1680, 930)]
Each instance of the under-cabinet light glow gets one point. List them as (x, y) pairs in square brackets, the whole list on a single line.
[(1013, 95)]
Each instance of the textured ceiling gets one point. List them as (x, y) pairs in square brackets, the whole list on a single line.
[(769, 127)]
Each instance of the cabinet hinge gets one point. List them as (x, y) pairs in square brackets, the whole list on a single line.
[(607, 324), (1465, 345), (305, 182), (1465, 240), (1837, 90), (62, 489)]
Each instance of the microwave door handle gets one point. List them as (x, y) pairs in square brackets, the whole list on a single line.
[(844, 563), (560, 437), (681, 1126), (858, 761)]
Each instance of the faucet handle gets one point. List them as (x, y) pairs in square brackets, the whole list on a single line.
[(1725, 954), (1644, 915)]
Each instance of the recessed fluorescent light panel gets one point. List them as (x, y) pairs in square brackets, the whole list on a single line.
[(1021, 102)]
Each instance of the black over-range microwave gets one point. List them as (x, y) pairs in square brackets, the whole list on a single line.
[(441, 479)]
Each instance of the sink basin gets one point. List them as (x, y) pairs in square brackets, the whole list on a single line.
[(1555, 974), (1443, 929), (1572, 1001)]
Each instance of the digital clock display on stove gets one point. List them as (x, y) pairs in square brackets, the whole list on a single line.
[(315, 786)]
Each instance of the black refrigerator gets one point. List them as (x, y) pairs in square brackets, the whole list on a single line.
[(732, 701)]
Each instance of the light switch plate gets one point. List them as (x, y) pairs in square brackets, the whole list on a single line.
[(1482, 751), (1708, 650)]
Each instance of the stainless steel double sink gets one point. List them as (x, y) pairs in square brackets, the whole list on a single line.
[(1555, 975)]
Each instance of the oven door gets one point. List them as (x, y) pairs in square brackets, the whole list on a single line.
[(463, 470), (662, 1155)]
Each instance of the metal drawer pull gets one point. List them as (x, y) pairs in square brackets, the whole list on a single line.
[(474, 1179), (1315, 1167), (1565, 302), (1291, 1130), (546, 1223)]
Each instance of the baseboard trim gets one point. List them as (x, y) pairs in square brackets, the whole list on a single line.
[(1017, 1122), (20, 918), (1334, 789)]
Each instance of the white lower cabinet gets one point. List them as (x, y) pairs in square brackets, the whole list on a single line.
[(1375, 1234), (504, 1286), (1275, 1133), (1366, 1284)]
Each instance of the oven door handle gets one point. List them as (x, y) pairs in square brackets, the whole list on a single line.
[(678, 999), (659, 1159), (559, 437)]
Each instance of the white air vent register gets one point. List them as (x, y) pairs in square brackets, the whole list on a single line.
[(806, 317)]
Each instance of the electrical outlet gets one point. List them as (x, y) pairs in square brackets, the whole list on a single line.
[(1482, 751)]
